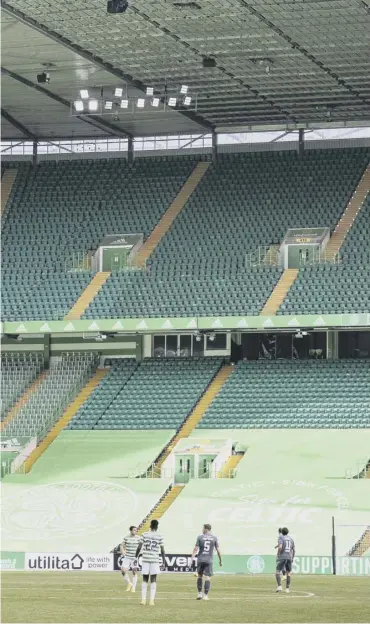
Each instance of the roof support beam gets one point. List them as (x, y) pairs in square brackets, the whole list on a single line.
[(95, 60), (221, 69), (93, 120), (296, 46), (17, 124)]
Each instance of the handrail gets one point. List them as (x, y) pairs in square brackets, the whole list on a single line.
[(264, 255), (79, 261)]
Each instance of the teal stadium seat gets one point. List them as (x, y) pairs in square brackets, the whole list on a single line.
[(156, 394), (199, 268), (332, 288), (65, 207), (63, 381), (18, 371), (246, 201), (293, 394)]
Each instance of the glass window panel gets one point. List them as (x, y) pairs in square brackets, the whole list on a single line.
[(218, 343), (159, 346), (198, 346), (171, 345), (185, 345)]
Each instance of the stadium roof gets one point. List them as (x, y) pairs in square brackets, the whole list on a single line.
[(279, 63)]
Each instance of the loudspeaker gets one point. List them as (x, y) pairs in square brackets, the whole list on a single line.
[(209, 62), (117, 6)]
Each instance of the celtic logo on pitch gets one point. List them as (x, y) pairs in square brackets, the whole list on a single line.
[(66, 509)]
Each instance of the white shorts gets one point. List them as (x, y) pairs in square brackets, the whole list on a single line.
[(127, 563), (150, 568)]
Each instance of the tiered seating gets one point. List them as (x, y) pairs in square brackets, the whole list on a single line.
[(336, 289), (18, 370), (159, 395), (67, 207), (105, 393), (252, 199), (64, 380), (246, 201), (293, 394), (156, 294)]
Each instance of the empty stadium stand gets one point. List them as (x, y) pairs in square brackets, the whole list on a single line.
[(104, 395), (60, 384), (197, 413), (18, 370), (156, 294), (65, 207), (157, 394), (66, 417), (293, 394), (249, 200), (7, 182), (335, 289), (246, 201)]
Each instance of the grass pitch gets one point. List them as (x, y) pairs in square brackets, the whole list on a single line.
[(84, 597)]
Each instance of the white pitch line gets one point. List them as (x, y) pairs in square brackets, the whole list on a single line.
[(192, 599)]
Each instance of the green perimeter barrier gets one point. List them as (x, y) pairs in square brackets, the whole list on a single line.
[(239, 564), (266, 564), (12, 560), (190, 323)]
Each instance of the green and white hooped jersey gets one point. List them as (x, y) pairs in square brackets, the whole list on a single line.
[(151, 550), (131, 543)]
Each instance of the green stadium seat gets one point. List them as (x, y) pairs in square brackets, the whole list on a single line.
[(156, 394), (293, 394)]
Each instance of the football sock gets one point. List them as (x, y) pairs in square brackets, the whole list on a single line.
[(287, 582), (144, 587), (134, 581), (278, 579), (126, 577), (153, 589), (207, 587), (199, 584)]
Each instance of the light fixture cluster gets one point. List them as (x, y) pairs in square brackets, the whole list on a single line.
[(117, 98)]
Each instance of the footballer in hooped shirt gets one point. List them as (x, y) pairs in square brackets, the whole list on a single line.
[(129, 547), (152, 549)]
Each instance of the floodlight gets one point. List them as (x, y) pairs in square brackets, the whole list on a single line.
[(149, 91), (93, 105), (124, 103), (187, 100), (118, 92), (101, 337), (184, 89), (79, 105), (84, 94), (140, 103), (212, 336), (108, 105), (155, 102), (172, 101)]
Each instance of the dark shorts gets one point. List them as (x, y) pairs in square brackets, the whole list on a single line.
[(284, 565), (205, 568)]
